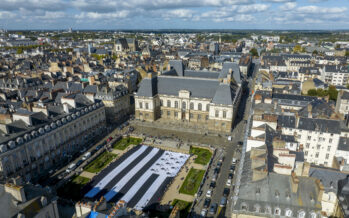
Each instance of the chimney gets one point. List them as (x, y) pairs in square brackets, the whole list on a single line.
[(310, 108), (320, 189), (306, 168), (65, 108), (294, 182)]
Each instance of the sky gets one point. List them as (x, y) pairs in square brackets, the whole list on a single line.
[(174, 14)]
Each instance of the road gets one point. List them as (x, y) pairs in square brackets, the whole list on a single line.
[(229, 151)]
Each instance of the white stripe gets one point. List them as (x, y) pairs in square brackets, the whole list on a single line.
[(150, 192), (96, 189), (134, 189), (130, 174)]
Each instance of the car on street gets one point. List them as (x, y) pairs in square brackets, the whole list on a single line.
[(86, 156), (226, 192), (232, 168), (213, 209), (207, 202), (223, 202), (200, 193), (228, 182), (209, 193), (98, 147), (203, 212), (82, 150), (216, 170), (79, 163), (213, 184), (230, 176), (214, 177)]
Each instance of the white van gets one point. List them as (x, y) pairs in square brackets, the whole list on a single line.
[(71, 168), (86, 156)]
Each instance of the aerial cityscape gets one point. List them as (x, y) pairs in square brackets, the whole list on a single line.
[(213, 108)]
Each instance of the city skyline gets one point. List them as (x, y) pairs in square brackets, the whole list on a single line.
[(190, 14)]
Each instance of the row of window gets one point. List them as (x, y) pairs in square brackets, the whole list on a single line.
[(169, 113), (184, 105), (318, 147), (317, 154), (277, 211)]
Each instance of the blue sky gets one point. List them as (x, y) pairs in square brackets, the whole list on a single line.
[(174, 14)]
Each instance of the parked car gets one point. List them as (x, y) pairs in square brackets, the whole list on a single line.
[(207, 202), (82, 150), (213, 184), (228, 182), (216, 170), (71, 168), (79, 163), (86, 156), (226, 192), (209, 193), (223, 202), (230, 176), (214, 177), (98, 147), (200, 193), (213, 209), (203, 212), (232, 168), (109, 139)]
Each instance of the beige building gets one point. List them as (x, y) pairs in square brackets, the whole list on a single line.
[(44, 141), (195, 98)]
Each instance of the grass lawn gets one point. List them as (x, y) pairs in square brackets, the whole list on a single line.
[(125, 142), (72, 190), (100, 162), (192, 182), (203, 155), (184, 206)]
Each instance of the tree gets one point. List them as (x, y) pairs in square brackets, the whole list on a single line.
[(347, 53), (297, 49), (333, 93), (254, 52), (315, 52), (312, 92)]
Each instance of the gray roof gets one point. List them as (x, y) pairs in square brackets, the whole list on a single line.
[(148, 87), (272, 192), (201, 88), (224, 95), (287, 121), (343, 144), (328, 176), (322, 125), (236, 71), (201, 74)]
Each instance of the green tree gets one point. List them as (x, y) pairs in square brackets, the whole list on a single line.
[(19, 50), (298, 49), (315, 52), (347, 53), (254, 52), (333, 93), (312, 92)]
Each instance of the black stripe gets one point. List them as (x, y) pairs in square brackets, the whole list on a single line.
[(139, 194), (136, 177), (107, 170), (155, 199), (118, 177)]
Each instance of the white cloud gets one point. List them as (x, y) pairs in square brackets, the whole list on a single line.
[(311, 9), (288, 6)]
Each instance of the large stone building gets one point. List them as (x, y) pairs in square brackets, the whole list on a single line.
[(195, 97), (36, 142)]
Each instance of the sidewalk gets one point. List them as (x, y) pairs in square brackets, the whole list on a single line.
[(173, 190)]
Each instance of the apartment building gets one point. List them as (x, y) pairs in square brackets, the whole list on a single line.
[(319, 138), (34, 142)]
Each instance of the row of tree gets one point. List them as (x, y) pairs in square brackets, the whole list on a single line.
[(332, 92)]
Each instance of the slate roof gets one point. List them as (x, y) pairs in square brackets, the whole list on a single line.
[(286, 121), (224, 95), (343, 144), (236, 71), (328, 176), (322, 125)]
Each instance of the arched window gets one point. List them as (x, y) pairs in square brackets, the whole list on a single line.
[(184, 105), (313, 215), (301, 214), (168, 103), (257, 208), (244, 206), (277, 211), (191, 106), (288, 212), (207, 107), (176, 104), (199, 106), (161, 102)]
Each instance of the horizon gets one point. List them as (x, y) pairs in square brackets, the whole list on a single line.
[(161, 14)]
